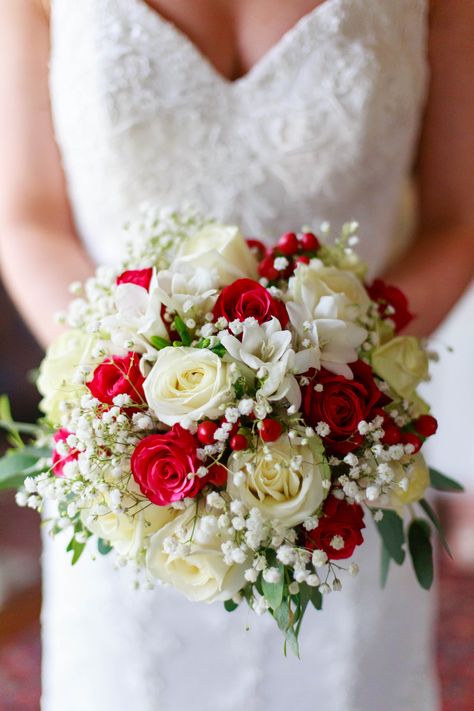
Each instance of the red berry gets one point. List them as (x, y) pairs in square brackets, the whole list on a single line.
[(426, 425), (392, 434), (238, 442), (205, 432), (410, 438), (288, 243), (266, 268), (217, 475), (256, 246), (302, 259), (270, 430), (309, 242)]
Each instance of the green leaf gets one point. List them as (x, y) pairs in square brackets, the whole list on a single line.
[(273, 592), (384, 565), (182, 330), (291, 639), (421, 551), (441, 482), (159, 343), (76, 548), (219, 350), (103, 547), (393, 536), (282, 616), (17, 464), (437, 524), (230, 605), (6, 421), (203, 343)]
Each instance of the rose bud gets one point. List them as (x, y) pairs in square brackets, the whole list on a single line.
[(339, 529), (246, 298), (118, 376)]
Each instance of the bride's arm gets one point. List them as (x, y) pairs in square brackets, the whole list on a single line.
[(39, 251), (440, 264)]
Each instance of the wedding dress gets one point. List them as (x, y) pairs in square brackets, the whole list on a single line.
[(322, 128)]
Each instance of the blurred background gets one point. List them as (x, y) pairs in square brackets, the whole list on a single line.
[(20, 549)]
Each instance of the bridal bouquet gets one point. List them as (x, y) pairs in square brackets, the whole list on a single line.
[(227, 417)]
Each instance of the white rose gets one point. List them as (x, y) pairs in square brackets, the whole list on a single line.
[(187, 382), (57, 380), (313, 281), (200, 573), (289, 488), (220, 249)]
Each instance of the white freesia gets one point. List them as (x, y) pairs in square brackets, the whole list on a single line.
[(187, 290), (199, 571), (288, 487), (267, 350), (333, 341), (137, 316), (189, 383), (313, 281), (222, 251), (68, 356)]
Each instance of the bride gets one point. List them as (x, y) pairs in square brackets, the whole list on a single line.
[(267, 113)]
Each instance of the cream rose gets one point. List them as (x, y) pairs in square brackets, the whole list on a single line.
[(58, 371), (127, 534), (201, 574), (417, 474), (402, 363), (313, 281), (221, 249), (289, 488), (187, 382)]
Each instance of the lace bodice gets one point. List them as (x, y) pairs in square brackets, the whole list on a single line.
[(322, 128)]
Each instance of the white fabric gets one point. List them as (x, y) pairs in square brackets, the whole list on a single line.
[(323, 127)]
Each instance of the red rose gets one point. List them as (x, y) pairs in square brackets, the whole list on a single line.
[(392, 303), (342, 404), (339, 529), (161, 463), (140, 277), (118, 376), (247, 298), (59, 460)]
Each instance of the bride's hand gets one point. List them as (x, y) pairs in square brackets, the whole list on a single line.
[(39, 250), (440, 264)]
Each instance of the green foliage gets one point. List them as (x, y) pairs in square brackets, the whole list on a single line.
[(441, 482), (393, 536), (76, 548), (159, 343), (103, 547), (17, 464), (437, 524), (384, 565), (273, 592), (421, 551), (182, 330), (230, 605), (219, 350)]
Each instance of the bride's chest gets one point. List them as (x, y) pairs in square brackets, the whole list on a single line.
[(340, 92)]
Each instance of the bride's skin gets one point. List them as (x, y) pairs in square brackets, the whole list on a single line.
[(40, 251)]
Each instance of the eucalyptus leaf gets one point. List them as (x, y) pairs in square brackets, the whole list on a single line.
[(230, 605), (437, 524), (441, 482), (384, 565), (421, 551), (273, 592), (103, 547), (393, 536)]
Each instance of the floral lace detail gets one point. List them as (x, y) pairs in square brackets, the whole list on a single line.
[(322, 128)]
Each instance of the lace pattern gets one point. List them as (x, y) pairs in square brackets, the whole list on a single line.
[(323, 127)]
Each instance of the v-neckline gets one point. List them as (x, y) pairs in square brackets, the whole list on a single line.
[(260, 65)]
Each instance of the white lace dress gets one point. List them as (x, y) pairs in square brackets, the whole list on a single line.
[(322, 128)]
